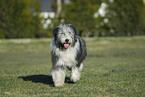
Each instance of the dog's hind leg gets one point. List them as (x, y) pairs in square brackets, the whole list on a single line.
[(58, 75), (81, 67), (76, 73)]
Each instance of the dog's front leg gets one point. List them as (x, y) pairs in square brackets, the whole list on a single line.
[(76, 73), (58, 75)]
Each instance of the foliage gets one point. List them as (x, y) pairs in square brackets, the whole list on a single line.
[(80, 13), (16, 20), (125, 18)]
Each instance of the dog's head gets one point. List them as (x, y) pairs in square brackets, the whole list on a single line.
[(64, 35)]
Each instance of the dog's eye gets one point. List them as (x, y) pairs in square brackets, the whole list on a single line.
[(62, 33)]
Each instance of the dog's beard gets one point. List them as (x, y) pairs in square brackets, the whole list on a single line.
[(63, 44), (66, 44)]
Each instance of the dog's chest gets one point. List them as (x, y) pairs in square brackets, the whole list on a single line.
[(67, 57)]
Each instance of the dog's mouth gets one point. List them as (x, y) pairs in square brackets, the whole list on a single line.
[(66, 45)]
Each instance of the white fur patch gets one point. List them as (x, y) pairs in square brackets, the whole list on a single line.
[(66, 57), (81, 67), (75, 74)]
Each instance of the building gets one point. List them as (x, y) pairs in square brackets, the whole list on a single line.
[(47, 13)]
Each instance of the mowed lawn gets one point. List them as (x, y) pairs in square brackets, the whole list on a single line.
[(113, 67)]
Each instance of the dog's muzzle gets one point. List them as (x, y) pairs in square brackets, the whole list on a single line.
[(67, 43)]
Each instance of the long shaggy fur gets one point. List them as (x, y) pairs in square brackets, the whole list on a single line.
[(67, 51)]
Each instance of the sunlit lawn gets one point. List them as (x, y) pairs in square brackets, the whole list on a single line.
[(113, 67)]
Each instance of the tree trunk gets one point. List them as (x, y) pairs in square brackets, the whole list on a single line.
[(58, 8)]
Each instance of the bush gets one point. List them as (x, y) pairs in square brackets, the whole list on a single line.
[(125, 18), (80, 13), (16, 20)]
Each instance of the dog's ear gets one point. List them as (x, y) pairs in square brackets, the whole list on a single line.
[(75, 38), (70, 25), (55, 31)]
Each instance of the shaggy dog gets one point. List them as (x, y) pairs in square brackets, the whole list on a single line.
[(67, 51)]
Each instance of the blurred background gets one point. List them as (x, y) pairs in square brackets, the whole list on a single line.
[(92, 18)]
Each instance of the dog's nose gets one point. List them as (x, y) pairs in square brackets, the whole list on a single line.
[(67, 40)]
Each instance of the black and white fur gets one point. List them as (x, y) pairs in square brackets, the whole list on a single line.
[(67, 51)]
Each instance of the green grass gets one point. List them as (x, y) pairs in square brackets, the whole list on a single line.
[(113, 67)]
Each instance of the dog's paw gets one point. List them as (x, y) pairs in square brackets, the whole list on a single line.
[(74, 78), (58, 84)]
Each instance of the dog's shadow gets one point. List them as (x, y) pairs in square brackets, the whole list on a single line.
[(41, 78)]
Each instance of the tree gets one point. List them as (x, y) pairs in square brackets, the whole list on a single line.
[(80, 13), (16, 20), (125, 18)]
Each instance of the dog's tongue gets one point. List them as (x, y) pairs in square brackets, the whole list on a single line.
[(66, 45)]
